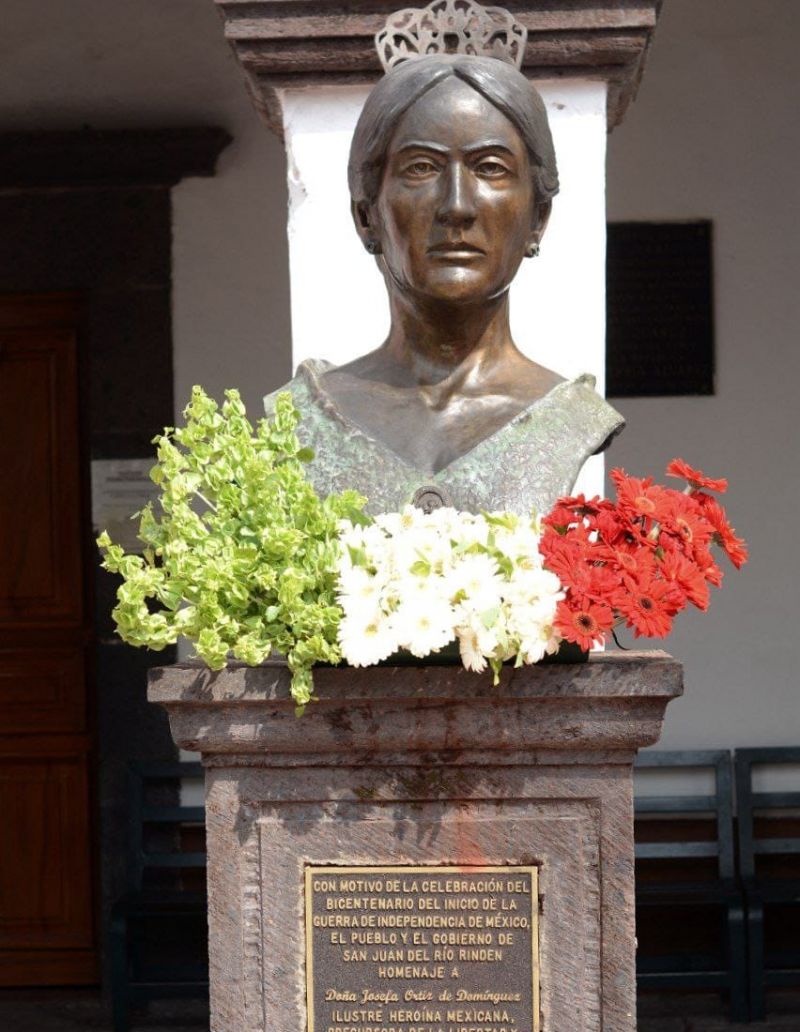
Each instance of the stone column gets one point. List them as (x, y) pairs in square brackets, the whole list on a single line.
[(309, 68), (422, 768)]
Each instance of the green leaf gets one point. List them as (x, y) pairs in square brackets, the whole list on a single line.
[(489, 618), (506, 520), (358, 557)]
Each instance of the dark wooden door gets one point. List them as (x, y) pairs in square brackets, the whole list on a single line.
[(47, 933)]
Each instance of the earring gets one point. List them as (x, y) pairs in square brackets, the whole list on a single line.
[(533, 251), (373, 247)]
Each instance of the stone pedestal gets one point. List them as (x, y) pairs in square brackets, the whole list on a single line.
[(422, 767)]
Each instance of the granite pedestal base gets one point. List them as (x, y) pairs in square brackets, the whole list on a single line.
[(422, 767)]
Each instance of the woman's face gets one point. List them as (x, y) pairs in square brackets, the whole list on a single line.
[(456, 211)]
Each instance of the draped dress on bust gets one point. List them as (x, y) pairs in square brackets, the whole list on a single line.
[(523, 466)]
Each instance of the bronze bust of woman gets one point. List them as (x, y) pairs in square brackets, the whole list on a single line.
[(452, 174)]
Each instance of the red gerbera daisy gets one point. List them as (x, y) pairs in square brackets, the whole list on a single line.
[(584, 625), (560, 518), (687, 578), (636, 497), (696, 477), (682, 517), (637, 562), (595, 583), (583, 506), (704, 561), (564, 556), (724, 535), (649, 607), (641, 559), (569, 511), (611, 528)]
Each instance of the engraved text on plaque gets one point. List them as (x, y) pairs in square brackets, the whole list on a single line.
[(422, 949)]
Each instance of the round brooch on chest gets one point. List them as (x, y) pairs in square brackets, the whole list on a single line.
[(431, 497)]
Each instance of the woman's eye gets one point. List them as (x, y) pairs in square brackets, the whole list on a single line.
[(421, 168), (491, 167)]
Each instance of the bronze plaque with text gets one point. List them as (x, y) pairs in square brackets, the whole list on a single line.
[(422, 949)]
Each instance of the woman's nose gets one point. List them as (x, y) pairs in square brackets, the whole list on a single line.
[(457, 205)]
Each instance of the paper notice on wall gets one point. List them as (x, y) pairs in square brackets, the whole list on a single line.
[(120, 488)]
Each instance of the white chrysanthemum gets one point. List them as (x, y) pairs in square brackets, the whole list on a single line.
[(423, 622), (396, 523), (421, 552), (475, 580), (351, 539), (529, 618), (526, 621), (398, 585), (544, 643), (521, 545), (366, 639), (374, 540), (389, 522), (359, 591), (352, 533), (472, 530), (471, 655), (532, 650), (444, 520), (546, 583), (529, 587), (492, 641)]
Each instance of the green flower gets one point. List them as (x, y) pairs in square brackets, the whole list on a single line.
[(240, 552)]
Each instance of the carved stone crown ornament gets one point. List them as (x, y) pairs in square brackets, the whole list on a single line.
[(451, 27)]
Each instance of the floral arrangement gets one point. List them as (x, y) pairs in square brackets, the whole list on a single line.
[(418, 582), (639, 560), (241, 556), (244, 559)]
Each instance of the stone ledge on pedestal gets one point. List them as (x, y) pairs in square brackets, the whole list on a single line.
[(614, 701)]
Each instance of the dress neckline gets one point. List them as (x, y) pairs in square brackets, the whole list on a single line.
[(312, 370)]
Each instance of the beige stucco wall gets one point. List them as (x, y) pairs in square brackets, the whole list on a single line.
[(714, 134)]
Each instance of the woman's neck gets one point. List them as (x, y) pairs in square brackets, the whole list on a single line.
[(433, 342)]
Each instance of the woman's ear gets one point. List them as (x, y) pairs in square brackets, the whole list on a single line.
[(541, 216), (364, 228)]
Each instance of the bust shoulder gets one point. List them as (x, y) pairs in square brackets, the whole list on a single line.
[(431, 415), (526, 464)]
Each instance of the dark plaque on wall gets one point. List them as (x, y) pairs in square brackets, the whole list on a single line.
[(660, 335), (411, 948)]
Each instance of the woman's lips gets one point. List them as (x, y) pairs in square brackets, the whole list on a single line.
[(456, 249)]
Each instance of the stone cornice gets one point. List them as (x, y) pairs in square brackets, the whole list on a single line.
[(615, 701), (290, 43)]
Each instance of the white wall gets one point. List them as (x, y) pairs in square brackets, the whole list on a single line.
[(715, 134)]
